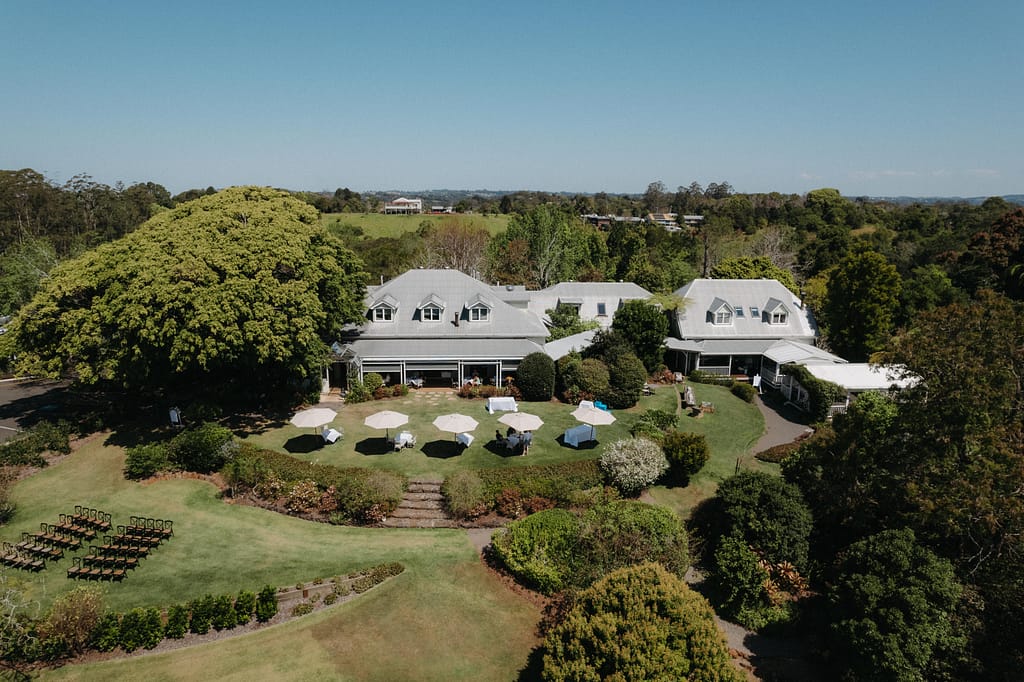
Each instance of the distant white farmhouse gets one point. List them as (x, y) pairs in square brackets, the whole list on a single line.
[(403, 205)]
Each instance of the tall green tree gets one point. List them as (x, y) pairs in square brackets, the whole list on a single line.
[(861, 305), (646, 327), (760, 267), (555, 248), (236, 292), (892, 606)]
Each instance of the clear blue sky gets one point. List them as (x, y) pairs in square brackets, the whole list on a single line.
[(904, 97)]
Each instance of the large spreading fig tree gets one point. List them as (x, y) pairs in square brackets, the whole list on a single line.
[(239, 290)]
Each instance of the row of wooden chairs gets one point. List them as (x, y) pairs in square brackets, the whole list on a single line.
[(105, 558), (15, 559), (91, 518), (50, 535), (69, 526), (80, 571), (126, 545), (144, 525), (29, 546), (132, 534)]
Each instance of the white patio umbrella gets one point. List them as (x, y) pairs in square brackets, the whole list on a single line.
[(455, 423), (593, 417), (521, 421), (386, 419), (313, 417)]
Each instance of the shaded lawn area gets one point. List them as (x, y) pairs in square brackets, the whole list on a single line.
[(436, 453), (731, 431)]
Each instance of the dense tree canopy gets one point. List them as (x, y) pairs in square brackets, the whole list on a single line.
[(646, 327), (237, 289), (892, 607), (861, 305), (640, 623), (760, 267)]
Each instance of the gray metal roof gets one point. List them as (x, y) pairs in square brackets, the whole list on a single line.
[(700, 296), (441, 349), (456, 290), (587, 295), (794, 351), (561, 347)]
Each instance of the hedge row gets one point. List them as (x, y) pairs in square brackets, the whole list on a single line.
[(472, 493), (821, 394), (359, 494), (28, 448), (145, 628)]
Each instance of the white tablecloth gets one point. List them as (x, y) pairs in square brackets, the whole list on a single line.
[(465, 438), (402, 439), (579, 434), (506, 404)]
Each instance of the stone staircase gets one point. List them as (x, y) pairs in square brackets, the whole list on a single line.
[(422, 506)]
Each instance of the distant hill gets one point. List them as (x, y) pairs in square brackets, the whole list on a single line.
[(974, 201)]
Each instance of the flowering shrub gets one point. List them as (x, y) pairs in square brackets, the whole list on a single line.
[(633, 464), (304, 495)]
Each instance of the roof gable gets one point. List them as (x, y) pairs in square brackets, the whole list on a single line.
[(705, 297)]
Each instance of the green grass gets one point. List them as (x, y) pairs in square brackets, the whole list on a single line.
[(450, 617), (380, 225), (445, 618), (435, 453), (731, 431)]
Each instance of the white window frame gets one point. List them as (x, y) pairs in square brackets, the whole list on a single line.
[(383, 314), (430, 313), (479, 313), (723, 316), (779, 317)]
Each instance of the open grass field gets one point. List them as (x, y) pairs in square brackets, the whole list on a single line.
[(380, 225), (445, 618)]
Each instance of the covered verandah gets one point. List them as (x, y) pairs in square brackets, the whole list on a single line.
[(435, 362)]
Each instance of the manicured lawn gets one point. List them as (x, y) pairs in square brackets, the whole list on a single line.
[(445, 618), (731, 430), (435, 453), (380, 225), (447, 615)]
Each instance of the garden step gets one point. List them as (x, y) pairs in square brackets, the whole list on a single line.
[(420, 504), (407, 513), (424, 496), (392, 522), (424, 487)]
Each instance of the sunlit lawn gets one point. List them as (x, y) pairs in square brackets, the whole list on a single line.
[(445, 618), (731, 431), (436, 453), (448, 615)]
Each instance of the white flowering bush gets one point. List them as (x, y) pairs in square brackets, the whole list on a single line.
[(633, 464)]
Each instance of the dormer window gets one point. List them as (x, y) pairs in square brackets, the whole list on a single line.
[(479, 309), (430, 314), (723, 317), (776, 312), (384, 308), (720, 312)]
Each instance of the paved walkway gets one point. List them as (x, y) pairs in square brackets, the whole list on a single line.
[(782, 423)]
